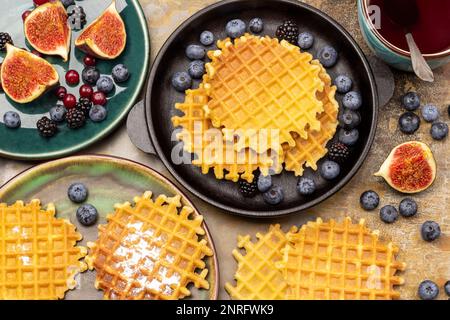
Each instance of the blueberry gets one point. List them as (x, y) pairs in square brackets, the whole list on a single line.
[(90, 75), (206, 38), (98, 113), (388, 214), (78, 192), (264, 183), (348, 137), (305, 40), (256, 25), (328, 56), (11, 120), (120, 73), (408, 207), (439, 130), (105, 84), (196, 69), (343, 83), (330, 170), (352, 100), (369, 200), (274, 195), (430, 231), (195, 52), (428, 290), (411, 101), (235, 28), (430, 113), (181, 81), (349, 119), (447, 288), (306, 186), (87, 215), (58, 113), (409, 122), (67, 3)]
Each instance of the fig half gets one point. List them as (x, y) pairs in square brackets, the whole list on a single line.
[(106, 37), (410, 168), (25, 76), (46, 29)]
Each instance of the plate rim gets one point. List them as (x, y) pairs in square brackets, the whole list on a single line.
[(110, 128), (126, 162)]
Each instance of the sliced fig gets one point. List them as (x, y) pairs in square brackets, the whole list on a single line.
[(106, 37), (46, 29), (25, 76), (410, 167)]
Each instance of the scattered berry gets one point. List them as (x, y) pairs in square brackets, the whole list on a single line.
[(352, 100), (206, 38), (430, 112), (75, 118), (235, 28), (447, 288), (99, 98), (306, 186), (349, 119), (369, 200), (248, 189), (388, 214), (89, 61), (46, 127), (120, 73), (67, 3), (338, 152), (305, 40), (328, 56), (411, 101), (256, 25), (11, 120), (25, 14), (330, 170), (77, 192), (288, 31), (39, 2), (408, 207), (195, 52), (196, 69), (343, 83), (72, 78), (409, 122), (98, 113), (69, 101), (430, 231), (58, 113), (90, 75), (87, 215), (60, 92), (77, 17), (85, 105), (86, 91), (181, 81), (274, 195), (105, 84), (428, 290), (439, 130), (264, 182), (349, 137), (4, 39)]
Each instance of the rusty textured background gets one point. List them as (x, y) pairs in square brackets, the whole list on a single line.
[(425, 260)]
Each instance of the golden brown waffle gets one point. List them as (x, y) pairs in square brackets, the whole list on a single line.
[(309, 151), (340, 260), (256, 276), (39, 257), (211, 151), (150, 250), (261, 84)]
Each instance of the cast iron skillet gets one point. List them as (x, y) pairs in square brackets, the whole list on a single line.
[(161, 97)]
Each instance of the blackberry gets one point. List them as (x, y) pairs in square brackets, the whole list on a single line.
[(75, 118), (46, 127), (338, 152), (4, 39), (248, 189), (288, 31), (85, 105), (77, 17)]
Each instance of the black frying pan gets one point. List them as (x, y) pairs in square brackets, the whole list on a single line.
[(161, 97)]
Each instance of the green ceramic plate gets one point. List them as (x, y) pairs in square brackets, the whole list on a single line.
[(25, 143), (110, 181)]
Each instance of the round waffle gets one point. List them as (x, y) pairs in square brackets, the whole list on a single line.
[(150, 250), (39, 258)]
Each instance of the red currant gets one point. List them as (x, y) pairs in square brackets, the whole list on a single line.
[(99, 98), (72, 78), (60, 92), (25, 15), (89, 61), (40, 2), (86, 91), (70, 101)]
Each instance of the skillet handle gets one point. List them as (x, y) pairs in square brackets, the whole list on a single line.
[(137, 129)]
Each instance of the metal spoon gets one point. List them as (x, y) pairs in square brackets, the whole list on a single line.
[(405, 13)]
